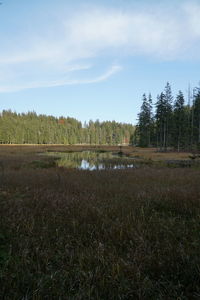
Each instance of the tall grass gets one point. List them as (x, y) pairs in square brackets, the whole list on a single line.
[(115, 234)]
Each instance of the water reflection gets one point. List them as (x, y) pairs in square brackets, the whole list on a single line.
[(91, 160)]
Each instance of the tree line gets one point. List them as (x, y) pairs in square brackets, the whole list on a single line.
[(173, 122), (30, 128)]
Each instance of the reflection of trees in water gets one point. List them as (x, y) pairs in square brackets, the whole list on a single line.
[(94, 159), (74, 160)]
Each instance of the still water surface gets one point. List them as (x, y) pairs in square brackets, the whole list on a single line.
[(92, 160)]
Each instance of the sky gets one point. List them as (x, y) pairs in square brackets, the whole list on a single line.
[(95, 59)]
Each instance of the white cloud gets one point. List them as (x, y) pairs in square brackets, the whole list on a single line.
[(192, 11), (50, 58), (159, 34), (14, 88)]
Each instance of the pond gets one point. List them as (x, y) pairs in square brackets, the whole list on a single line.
[(92, 160)]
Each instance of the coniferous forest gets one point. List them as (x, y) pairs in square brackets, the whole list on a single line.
[(30, 128), (174, 122)]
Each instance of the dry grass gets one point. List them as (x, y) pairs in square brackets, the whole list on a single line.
[(116, 234), (155, 155), (142, 153)]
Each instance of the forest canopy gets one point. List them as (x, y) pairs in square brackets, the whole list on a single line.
[(30, 128), (173, 122)]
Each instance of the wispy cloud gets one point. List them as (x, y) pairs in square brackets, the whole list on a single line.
[(62, 82), (61, 57)]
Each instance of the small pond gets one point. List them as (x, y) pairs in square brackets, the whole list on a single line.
[(92, 160), (104, 160)]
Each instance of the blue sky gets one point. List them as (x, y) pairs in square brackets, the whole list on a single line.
[(95, 59)]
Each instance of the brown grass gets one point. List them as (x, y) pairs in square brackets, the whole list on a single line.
[(116, 234)]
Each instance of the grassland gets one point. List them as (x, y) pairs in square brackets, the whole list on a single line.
[(111, 234)]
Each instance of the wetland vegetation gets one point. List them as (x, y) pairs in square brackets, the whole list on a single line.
[(129, 233)]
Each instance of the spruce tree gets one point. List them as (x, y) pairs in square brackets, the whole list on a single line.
[(160, 121), (163, 118), (144, 127), (179, 122), (168, 101), (196, 108)]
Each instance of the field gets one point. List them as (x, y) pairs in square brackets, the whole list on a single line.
[(111, 234)]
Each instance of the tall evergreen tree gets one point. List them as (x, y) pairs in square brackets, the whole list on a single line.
[(163, 118), (197, 117), (168, 114), (145, 121), (179, 122), (160, 121)]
